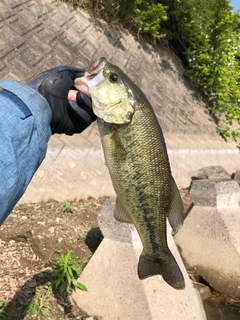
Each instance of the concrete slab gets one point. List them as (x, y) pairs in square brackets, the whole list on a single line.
[(213, 226), (114, 290)]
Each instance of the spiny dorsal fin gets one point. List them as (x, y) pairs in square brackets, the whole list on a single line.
[(120, 214)]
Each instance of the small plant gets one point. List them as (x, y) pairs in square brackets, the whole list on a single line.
[(77, 3), (84, 224), (67, 207), (214, 295), (40, 303), (22, 208), (2, 312), (65, 272), (82, 237), (88, 207)]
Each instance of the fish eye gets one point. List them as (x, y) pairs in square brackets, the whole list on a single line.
[(113, 77)]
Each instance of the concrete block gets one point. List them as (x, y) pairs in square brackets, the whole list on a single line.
[(212, 172), (114, 290), (204, 291), (209, 239), (215, 192)]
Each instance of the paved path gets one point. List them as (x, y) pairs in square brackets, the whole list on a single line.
[(40, 34)]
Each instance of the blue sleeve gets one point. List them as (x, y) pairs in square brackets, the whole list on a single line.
[(25, 117)]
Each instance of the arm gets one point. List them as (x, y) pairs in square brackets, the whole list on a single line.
[(24, 130), (29, 114)]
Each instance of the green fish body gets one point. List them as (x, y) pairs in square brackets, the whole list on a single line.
[(136, 156)]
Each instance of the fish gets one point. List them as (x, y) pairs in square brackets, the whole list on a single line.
[(136, 156)]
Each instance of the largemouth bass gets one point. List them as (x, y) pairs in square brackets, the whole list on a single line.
[(136, 156)]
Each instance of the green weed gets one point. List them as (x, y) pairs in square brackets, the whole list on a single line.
[(82, 237), (2, 312), (84, 224), (22, 208), (67, 207), (65, 272), (40, 303), (88, 207)]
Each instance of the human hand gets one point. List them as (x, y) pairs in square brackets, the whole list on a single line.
[(71, 113)]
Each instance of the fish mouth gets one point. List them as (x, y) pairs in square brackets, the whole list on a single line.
[(85, 83), (98, 66)]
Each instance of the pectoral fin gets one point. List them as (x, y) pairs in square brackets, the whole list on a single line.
[(175, 212), (119, 150), (112, 146), (120, 214)]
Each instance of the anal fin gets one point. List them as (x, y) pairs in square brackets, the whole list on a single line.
[(175, 213), (120, 214)]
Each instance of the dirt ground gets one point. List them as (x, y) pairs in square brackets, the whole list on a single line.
[(31, 237)]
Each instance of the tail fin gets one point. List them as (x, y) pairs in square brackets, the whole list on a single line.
[(170, 271)]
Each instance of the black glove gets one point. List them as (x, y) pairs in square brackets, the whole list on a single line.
[(68, 116)]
